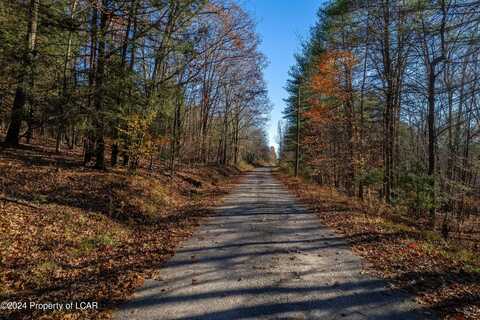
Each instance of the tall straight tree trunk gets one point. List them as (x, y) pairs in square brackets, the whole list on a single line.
[(99, 93), (350, 123), (351, 133), (297, 149), (174, 144), (204, 124), (431, 140), (133, 48), (362, 112), (225, 131), (236, 138), (89, 144), (389, 123), (121, 95), (13, 133), (466, 148), (431, 66), (61, 128)]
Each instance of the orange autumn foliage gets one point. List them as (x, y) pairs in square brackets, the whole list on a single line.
[(329, 111), (327, 84)]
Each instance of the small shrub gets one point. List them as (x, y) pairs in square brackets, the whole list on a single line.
[(416, 193)]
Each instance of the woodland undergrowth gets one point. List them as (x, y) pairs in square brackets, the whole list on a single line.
[(443, 274), (70, 233)]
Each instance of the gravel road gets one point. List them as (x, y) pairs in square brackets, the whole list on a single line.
[(264, 256)]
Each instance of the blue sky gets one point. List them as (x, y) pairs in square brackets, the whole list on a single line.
[(281, 24)]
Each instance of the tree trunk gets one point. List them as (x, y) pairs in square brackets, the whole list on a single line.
[(114, 155), (175, 132), (121, 95), (236, 138), (99, 93), (431, 141), (13, 134), (89, 144), (389, 108), (297, 149)]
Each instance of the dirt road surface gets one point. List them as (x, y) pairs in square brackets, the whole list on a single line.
[(264, 256)]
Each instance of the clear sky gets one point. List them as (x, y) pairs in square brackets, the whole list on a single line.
[(282, 25)]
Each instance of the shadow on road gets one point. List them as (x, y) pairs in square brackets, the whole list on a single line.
[(264, 256)]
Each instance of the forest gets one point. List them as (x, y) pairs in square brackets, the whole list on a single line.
[(383, 108), (121, 121), (384, 104), (133, 81), (139, 178)]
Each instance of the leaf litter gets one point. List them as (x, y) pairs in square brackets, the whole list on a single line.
[(402, 253), (92, 235)]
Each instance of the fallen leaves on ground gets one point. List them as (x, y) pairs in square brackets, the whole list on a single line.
[(96, 234), (406, 256)]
